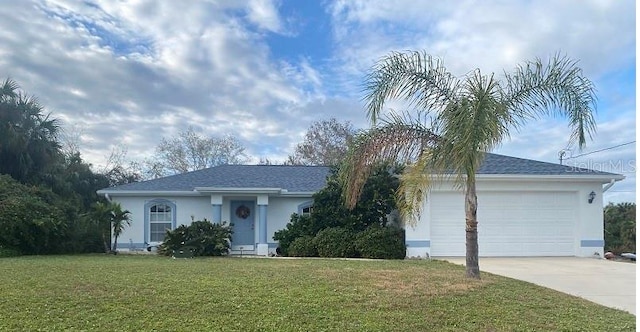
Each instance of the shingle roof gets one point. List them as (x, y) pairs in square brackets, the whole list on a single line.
[(291, 178), (500, 164), (313, 178)]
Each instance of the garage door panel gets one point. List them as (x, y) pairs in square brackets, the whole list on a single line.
[(510, 224), (447, 236)]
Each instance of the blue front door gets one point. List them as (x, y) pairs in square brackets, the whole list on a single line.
[(242, 218)]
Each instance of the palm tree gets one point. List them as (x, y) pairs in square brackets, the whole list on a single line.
[(110, 216), (101, 214), (456, 121), (119, 220), (28, 137)]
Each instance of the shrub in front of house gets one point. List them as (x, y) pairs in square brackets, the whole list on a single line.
[(381, 242), (335, 242), (203, 237), (303, 247), (297, 227), (376, 204)]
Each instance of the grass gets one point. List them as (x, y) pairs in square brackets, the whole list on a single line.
[(127, 292)]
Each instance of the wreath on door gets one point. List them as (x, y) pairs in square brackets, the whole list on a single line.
[(243, 212)]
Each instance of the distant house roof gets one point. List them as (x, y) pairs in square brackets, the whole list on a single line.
[(313, 178)]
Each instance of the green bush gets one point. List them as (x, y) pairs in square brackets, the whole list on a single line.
[(377, 201), (335, 242), (303, 247), (9, 252), (620, 227), (33, 220), (297, 227), (207, 239), (381, 242)]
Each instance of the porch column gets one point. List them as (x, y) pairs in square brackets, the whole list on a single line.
[(216, 209), (263, 246)]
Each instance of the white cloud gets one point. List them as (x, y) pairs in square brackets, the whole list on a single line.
[(201, 66), (489, 35), (265, 15), (135, 71)]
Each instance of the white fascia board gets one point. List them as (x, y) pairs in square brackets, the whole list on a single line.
[(146, 193), (298, 193), (604, 178), (568, 177), (238, 190)]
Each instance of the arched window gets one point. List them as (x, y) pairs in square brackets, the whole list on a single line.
[(161, 217)]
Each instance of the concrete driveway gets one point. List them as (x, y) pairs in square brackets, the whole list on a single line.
[(612, 284)]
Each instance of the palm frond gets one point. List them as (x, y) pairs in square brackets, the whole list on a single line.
[(396, 140), (415, 185), (416, 77), (474, 125), (558, 88), (8, 90)]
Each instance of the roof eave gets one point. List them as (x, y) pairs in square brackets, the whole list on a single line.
[(147, 193), (219, 190), (298, 193), (201, 191), (604, 178)]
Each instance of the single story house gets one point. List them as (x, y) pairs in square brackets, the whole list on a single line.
[(525, 208)]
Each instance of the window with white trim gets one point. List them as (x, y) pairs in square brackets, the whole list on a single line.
[(306, 208), (306, 211), (160, 220)]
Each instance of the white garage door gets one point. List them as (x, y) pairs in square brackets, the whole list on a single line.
[(510, 223)]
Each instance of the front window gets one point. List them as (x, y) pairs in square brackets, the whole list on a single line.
[(160, 220), (306, 211), (306, 208)]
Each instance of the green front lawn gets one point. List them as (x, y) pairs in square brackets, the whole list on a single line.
[(127, 292)]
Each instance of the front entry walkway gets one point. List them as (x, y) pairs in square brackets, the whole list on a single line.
[(612, 284)]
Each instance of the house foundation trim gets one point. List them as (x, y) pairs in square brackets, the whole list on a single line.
[(592, 243)]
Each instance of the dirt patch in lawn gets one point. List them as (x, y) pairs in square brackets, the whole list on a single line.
[(416, 281)]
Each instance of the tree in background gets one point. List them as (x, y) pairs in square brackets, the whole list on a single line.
[(78, 182), (456, 121), (620, 227), (28, 137), (325, 143), (51, 188), (118, 171), (190, 151)]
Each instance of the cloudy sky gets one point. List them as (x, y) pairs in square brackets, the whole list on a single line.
[(133, 71)]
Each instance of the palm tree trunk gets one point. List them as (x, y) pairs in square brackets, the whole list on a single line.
[(115, 244), (106, 243), (471, 209)]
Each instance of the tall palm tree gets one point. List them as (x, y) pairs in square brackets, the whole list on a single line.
[(455, 121)]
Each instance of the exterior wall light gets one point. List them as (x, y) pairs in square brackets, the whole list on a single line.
[(592, 195)]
